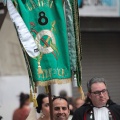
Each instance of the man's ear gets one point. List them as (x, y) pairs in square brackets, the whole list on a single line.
[(89, 95)]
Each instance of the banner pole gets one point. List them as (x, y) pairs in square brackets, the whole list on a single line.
[(50, 102)]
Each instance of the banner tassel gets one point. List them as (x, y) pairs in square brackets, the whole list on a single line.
[(39, 67), (35, 104), (35, 89), (46, 89), (81, 92), (31, 96), (40, 70)]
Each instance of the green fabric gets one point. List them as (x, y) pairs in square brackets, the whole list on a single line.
[(77, 40), (71, 34), (75, 14), (40, 15)]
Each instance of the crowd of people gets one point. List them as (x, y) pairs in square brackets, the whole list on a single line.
[(97, 105)]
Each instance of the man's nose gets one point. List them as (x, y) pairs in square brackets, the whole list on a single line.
[(101, 93), (60, 110)]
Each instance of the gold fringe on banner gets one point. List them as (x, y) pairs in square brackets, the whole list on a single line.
[(54, 81)]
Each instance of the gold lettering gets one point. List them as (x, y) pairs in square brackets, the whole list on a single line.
[(38, 2), (54, 71), (61, 72), (31, 5), (51, 4), (42, 2), (48, 73), (29, 8), (43, 75)]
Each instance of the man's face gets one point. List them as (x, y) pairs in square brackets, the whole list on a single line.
[(99, 94), (60, 109)]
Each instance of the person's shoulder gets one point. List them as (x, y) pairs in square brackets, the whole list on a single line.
[(115, 109), (26, 108), (81, 110), (83, 107), (16, 110), (16, 113), (114, 105), (79, 113)]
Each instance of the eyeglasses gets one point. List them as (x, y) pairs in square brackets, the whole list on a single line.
[(99, 92)]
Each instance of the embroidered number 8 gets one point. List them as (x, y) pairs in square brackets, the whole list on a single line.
[(43, 20)]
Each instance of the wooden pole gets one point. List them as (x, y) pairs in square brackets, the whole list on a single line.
[(50, 102)]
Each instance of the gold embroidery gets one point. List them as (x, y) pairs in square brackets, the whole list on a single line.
[(29, 8), (47, 73), (54, 81), (51, 4), (31, 5)]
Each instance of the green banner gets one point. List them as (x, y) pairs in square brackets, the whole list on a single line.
[(45, 20)]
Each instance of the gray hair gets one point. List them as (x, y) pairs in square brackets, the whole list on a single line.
[(95, 80)]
